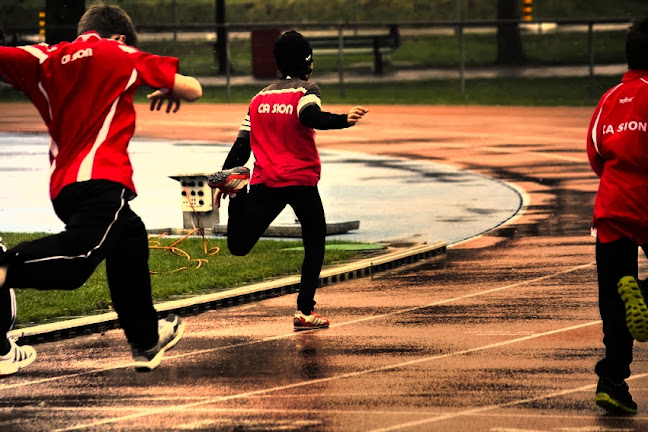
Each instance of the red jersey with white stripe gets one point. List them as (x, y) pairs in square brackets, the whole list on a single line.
[(617, 147), (284, 149), (84, 91)]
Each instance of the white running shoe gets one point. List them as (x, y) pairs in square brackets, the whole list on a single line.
[(170, 330), (17, 358), (309, 322), (231, 180)]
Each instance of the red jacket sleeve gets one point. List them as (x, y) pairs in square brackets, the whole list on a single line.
[(20, 67), (156, 71)]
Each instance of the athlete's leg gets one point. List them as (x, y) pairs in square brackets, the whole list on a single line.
[(67, 259), (615, 260), (307, 204), (250, 214), (129, 280), (7, 318), (61, 261)]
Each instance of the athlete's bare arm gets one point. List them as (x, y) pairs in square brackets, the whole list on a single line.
[(185, 88)]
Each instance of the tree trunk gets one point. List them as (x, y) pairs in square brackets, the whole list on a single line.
[(509, 41)]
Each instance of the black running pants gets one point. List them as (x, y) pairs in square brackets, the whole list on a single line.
[(99, 225), (251, 213), (613, 261)]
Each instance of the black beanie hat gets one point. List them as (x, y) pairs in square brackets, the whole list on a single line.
[(293, 55)]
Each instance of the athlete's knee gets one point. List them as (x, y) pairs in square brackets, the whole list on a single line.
[(238, 249), (72, 281)]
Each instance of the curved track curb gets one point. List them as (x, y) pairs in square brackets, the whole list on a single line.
[(393, 258)]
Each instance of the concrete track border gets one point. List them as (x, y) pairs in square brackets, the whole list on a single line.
[(393, 258)]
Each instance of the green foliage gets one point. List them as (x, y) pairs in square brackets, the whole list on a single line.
[(487, 91)]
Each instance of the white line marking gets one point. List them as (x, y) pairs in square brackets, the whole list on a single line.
[(182, 407), (369, 413), (150, 412), (289, 335), (292, 334), (497, 406)]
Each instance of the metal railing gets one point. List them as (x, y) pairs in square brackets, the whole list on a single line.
[(460, 28)]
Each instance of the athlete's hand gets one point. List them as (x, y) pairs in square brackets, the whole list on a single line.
[(220, 194), (355, 114), (158, 97)]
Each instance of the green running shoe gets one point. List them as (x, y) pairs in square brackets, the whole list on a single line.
[(635, 306), (614, 398)]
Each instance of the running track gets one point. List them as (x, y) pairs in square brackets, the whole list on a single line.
[(501, 336)]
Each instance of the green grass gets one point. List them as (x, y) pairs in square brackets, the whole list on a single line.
[(501, 91), (219, 272), (504, 91)]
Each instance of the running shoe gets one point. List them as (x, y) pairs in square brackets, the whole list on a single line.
[(614, 398), (309, 322), (230, 180), (635, 306), (17, 358), (170, 331)]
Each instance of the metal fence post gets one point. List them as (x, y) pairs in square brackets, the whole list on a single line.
[(228, 67), (590, 48), (175, 20), (341, 59), (462, 59)]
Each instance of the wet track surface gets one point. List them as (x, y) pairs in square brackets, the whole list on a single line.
[(502, 335), (380, 188)]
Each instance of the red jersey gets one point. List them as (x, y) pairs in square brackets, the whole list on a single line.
[(284, 149), (84, 91), (617, 147)]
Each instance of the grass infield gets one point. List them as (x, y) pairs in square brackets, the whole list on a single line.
[(576, 91), (191, 271)]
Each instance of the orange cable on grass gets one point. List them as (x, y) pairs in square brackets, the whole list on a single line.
[(177, 251)]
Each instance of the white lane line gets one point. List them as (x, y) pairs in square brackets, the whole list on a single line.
[(183, 407), (479, 410), (286, 411), (467, 296), (125, 365), (394, 313)]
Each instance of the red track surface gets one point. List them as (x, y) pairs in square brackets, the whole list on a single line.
[(501, 336)]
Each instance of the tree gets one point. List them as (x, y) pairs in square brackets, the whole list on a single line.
[(509, 41)]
